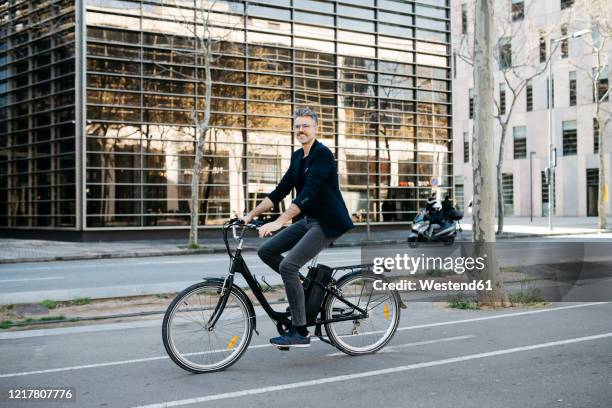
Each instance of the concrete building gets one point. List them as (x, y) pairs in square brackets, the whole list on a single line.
[(96, 135), (524, 29)]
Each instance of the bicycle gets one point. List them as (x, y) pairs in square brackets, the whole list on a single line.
[(209, 325)]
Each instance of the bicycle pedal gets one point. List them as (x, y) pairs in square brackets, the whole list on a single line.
[(283, 348)]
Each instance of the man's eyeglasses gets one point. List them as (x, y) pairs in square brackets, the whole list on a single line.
[(304, 126)]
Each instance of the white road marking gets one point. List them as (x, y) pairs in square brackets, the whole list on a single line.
[(112, 363), (373, 373), (141, 360), (122, 326), (416, 343), (31, 279)]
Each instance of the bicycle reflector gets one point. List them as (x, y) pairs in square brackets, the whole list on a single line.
[(231, 343), (386, 312)]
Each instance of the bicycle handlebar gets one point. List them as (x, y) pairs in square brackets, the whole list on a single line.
[(237, 223)]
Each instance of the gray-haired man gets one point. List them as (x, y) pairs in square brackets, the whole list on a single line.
[(319, 217)]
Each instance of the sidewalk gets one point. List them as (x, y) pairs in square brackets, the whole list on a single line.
[(22, 250)]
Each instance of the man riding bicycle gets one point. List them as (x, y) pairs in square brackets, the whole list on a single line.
[(319, 217)]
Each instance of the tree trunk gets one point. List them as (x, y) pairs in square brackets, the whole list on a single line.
[(500, 201), (195, 189), (500, 187), (483, 152), (601, 199)]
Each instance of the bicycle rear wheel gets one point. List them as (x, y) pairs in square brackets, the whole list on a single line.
[(194, 347), (362, 335)]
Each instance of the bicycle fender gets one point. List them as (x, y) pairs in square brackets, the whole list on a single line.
[(242, 293)]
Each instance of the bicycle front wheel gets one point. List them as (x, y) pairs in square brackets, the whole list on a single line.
[(195, 347), (362, 335)]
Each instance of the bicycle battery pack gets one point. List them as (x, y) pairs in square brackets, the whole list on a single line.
[(314, 293)]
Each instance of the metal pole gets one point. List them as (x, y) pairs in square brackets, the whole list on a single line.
[(550, 139)]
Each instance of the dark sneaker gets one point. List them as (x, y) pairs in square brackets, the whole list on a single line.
[(291, 339)]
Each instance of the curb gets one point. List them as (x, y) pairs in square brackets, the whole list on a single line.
[(216, 250)]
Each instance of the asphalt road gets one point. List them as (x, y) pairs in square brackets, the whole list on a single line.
[(33, 282), (559, 356)]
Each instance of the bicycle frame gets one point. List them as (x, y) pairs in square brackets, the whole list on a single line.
[(238, 265)]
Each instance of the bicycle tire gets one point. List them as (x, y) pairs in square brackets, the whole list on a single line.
[(338, 333), (237, 303)]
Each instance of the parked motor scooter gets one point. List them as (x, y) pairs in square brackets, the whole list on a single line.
[(446, 233)]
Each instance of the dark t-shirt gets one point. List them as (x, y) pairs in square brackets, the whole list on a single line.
[(310, 212)]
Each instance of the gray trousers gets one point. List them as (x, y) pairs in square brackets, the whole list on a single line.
[(304, 240)]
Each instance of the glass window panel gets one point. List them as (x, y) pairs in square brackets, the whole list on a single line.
[(356, 50), (394, 55), (396, 68), (357, 12), (395, 93), (430, 11), (357, 62), (351, 36), (430, 35), (314, 58), (218, 5), (353, 24), (396, 81), (361, 89), (358, 76), (391, 42), (270, 66), (116, 6), (113, 98), (426, 59), (432, 72), (261, 122), (159, 26), (275, 95), (313, 31), (272, 39), (439, 3), (431, 48), (400, 6), (267, 108), (395, 30), (268, 25), (395, 18), (113, 221), (270, 80), (431, 24), (269, 53), (312, 18), (315, 71), (269, 12), (316, 45), (321, 6)]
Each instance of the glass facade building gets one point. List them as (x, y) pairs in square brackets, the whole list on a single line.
[(97, 99)]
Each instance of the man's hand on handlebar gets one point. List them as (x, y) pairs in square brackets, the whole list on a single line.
[(267, 229), (246, 219)]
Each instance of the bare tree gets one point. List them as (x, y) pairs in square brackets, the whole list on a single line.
[(596, 15), (517, 70), (483, 149), (197, 24)]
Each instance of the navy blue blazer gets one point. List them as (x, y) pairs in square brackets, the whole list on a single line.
[(321, 190)]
